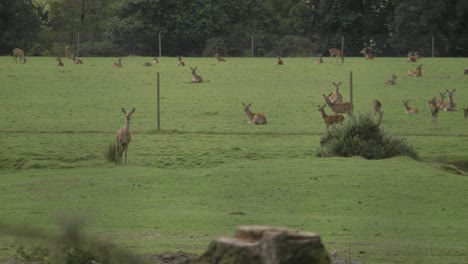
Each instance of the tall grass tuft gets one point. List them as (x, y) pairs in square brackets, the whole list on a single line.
[(110, 153), (362, 136)]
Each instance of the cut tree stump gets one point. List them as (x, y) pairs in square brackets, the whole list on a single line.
[(265, 245)]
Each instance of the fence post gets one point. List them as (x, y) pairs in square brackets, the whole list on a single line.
[(158, 107), (159, 48), (432, 46), (252, 46), (351, 110), (78, 45), (342, 46)]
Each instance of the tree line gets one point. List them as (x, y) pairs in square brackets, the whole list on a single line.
[(106, 26)]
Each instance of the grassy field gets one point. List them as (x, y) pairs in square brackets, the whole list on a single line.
[(207, 171)]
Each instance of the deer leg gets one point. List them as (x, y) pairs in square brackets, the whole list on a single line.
[(126, 149)]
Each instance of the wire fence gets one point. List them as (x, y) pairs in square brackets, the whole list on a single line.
[(164, 44)]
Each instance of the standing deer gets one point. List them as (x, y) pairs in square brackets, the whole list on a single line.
[(117, 64), (465, 111), (68, 52), (59, 61), (367, 54), (219, 58), (254, 118), (377, 107), (416, 72), (195, 77), (441, 100), (279, 61), (408, 109), (392, 81), (180, 61), (338, 107), (319, 60), (448, 105), (412, 57), (123, 137), (434, 112), (336, 53), (329, 119), (18, 53), (336, 97)]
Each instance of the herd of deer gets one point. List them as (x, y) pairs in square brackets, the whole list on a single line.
[(334, 100)]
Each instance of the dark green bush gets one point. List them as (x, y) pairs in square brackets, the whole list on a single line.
[(362, 136)]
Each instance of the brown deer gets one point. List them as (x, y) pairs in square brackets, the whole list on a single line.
[(319, 60), (117, 64), (149, 64), (18, 53), (336, 53), (329, 119), (68, 52), (434, 112), (155, 60), (448, 105), (76, 60), (377, 107), (367, 54), (416, 54), (465, 111), (412, 57), (441, 100), (416, 72), (465, 71), (219, 58), (279, 61), (123, 137), (254, 118), (180, 61), (392, 81), (337, 107), (408, 109), (59, 61), (336, 97), (195, 77)]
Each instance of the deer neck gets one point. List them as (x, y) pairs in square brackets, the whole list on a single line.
[(126, 128), (323, 114), (249, 114)]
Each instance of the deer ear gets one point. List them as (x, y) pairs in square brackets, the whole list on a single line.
[(123, 110), (243, 104), (339, 83), (133, 111)]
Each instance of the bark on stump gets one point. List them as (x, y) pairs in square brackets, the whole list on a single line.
[(265, 245)]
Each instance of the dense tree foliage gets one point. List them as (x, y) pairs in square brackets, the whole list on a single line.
[(382, 25)]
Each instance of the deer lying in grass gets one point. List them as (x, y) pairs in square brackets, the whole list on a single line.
[(319, 60), (336, 53), (367, 54), (329, 119), (254, 118), (155, 60), (219, 58), (195, 77), (412, 57), (434, 111), (117, 64), (377, 107), (392, 81), (416, 72), (279, 61), (18, 53), (180, 61), (465, 71), (149, 64), (465, 111), (408, 109), (336, 97), (448, 105), (76, 60), (59, 61), (338, 107), (123, 137)]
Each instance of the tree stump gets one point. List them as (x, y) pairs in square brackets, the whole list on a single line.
[(266, 245)]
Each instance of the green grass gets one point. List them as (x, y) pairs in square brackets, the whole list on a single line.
[(208, 171)]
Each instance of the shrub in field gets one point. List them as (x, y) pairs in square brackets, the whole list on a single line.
[(110, 153), (362, 136)]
